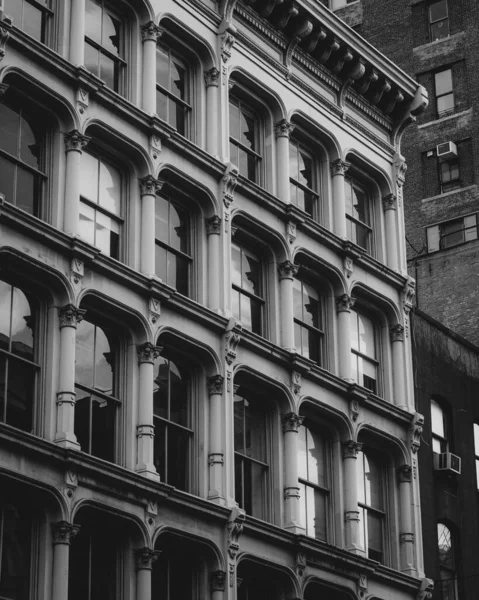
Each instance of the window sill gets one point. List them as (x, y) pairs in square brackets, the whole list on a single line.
[(454, 37), (445, 119), (447, 194)]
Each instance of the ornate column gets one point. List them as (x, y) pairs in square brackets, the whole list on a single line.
[(74, 143), (69, 316), (216, 453), (144, 561), (344, 303), (392, 250), (399, 368), (406, 535), (77, 32), (291, 425), (62, 534), (149, 187), (283, 130), (212, 79), (213, 231), (218, 580), (150, 32), (351, 510), (338, 171), (287, 271), (147, 354)]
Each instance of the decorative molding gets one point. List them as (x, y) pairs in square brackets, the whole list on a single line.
[(300, 565), (3, 89), (155, 146), (5, 26), (216, 458), (149, 186), (416, 432), (232, 339), (154, 309), (404, 473), (218, 581), (362, 585), (77, 270), (351, 449), (213, 225), (389, 202), (212, 77), (230, 180), (145, 557), (291, 491), (400, 168), (82, 100), (426, 589), (351, 516), (348, 266), (409, 295), (396, 333), (70, 316), (406, 538), (339, 167), (151, 31), (291, 422), (74, 140), (344, 303), (354, 409), (290, 231), (287, 270), (296, 381), (227, 42), (64, 532), (148, 353), (234, 526), (216, 385), (283, 128)]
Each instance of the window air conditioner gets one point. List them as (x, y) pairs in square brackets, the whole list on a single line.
[(447, 462), (446, 150)]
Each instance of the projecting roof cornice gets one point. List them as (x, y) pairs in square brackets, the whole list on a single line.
[(317, 31)]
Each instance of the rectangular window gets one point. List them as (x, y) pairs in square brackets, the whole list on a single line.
[(449, 175), (32, 16), (15, 552), (308, 321), (313, 473), (104, 44), (452, 233), (172, 90), (438, 20), (100, 205), (251, 456), (304, 176), (476, 452), (372, 501), (364, 365), (439, 429), (245, 141), (444, 93), (247, 295), (358, 215)]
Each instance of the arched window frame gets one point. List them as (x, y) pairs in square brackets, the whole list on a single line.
[(370, 355), (360, 223), (446, 548)]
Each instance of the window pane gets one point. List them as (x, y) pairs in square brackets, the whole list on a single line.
[(244, 161), (360, 206), (298, 342), (178, 229), (317, 513), (440, 29), (375, 536), (178, 80), (362, 527), (13, 8), (82, 419), (161, 256), (162, 68), (443, 82), (107, 234), (235, 304), (293, 161), (178, 117), (311, 303), (103, 428), (92, 56), (178, 449), (21, 379), (444, 544), (109, 188), (305, 170), (438, 10), (27, 191), (29, 147), (178, 396), (302, 454), (161, 219), (368, 371), (10, 127), (366, 336), (5, 314), (89, 177), (251, 270), (162, 105), (93, 20), (373, 482), (104, 364), (109, 72), (445, 104), (360, 476), (255, 487), (247, 130), (256, 313), (111, 34), (316, 458), (32, 21), (16, 552), (7, 179), (477, 473), (252, 168), (85, 353), (437, 419), (476, 439), (22, 326), (87, 223), (255, 432), (234, 156)]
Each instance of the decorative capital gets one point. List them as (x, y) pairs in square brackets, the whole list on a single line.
[(232, 339), (149, 186), (401, 168), (213, 225), (404, 473), (145, 557), (397, 333), (389, 202), (291, 422), (151, 31), (218, 581), (212, 77), (409, 294), (227, 41), (70, 316), (344, 303), (74, 140), (283, 128), (351, 449), (64, 532), (230, 179), (416, 432), (339, 167), (287, 270), (216, 384), (148, 353)]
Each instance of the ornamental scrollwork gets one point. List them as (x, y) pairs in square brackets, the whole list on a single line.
[(149, 186), (213, 225), (64, 532), (389, 202), (416, 432), (145, 557), (148, 352), (212, 77), (74, 140), (291, 422), (344, 303), (70, 315), (283, 128), (151, 31), (216, 384), (230, 179), (396, 333), (287, 270), (339, 167), (351, 449)]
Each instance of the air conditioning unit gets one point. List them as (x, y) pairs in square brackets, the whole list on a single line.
[(446, 150), (447, 462)]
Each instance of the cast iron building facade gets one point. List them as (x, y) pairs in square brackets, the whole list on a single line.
[(205, 351)]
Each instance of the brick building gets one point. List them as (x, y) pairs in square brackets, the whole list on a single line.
[(205, 369), (437, 43)]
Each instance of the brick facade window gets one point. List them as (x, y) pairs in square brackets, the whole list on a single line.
[(32, 16), (438, 20), (444, 93), (447, 173), (452, 233)]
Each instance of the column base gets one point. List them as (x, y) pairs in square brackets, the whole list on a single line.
[(147, 471), (67, 440), (215, 497), (295, 528)]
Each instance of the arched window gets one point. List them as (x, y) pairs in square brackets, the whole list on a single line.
[(305, 178), (359, 214), (22, 149), (172, 420), (365, 350), (447, 563), (309, 320), (18, 367), (246, 138), (248, 303), (32, 16), (105, 43), (372, 504), (252, 439), (439, 428), (314, 474), (96, 385)]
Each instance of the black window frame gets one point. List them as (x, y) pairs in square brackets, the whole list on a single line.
[(317, 333), (372, 360), (437, 97), (433, 22), (314, 191), (366, 227), (257, 156), (442, 440)]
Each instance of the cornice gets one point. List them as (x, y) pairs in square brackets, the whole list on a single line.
[(268, 31)]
